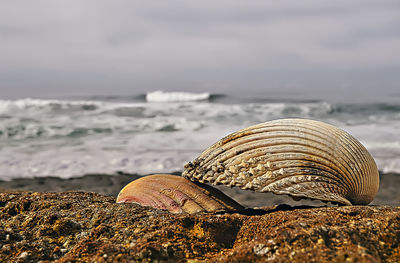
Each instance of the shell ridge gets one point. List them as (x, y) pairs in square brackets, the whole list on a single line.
[(363, 171), (317, 126), (322, 170), (159, 201), (268, 147), (310, 189), (190, 193), (194, 194), (179, 198), (355, 149), (154, 201), (293, 177), (348, 169), (350, 151), (220, 197), (367, 159), (364, 166)]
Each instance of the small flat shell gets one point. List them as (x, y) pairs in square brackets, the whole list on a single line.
[(176, 194)]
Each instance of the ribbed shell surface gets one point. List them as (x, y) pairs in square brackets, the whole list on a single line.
[(299, 157), (176, 194)]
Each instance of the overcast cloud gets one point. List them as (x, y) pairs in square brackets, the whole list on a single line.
[(56, 48)]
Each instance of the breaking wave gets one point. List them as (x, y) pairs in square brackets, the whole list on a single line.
[(175, 96)]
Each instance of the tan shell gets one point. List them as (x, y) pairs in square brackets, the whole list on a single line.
[(298, 157), (176, 194)]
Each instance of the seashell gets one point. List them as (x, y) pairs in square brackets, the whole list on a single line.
[(298, 157), (176, 194)]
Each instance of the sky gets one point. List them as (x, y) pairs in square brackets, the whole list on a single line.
[(56, 48)]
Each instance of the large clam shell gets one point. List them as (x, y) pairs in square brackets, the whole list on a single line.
[(176, 194), (299, 157)]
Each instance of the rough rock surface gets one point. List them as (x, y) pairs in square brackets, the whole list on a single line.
[(82, 227)]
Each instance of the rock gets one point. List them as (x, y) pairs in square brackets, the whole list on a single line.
[(24, 255), (82, 227)]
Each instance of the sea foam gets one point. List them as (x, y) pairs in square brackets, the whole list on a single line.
[(161, 96), (67, 138)]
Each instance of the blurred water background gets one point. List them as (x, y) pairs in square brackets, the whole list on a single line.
[(161, 131)]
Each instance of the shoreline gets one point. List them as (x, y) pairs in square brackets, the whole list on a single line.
[(110, 185)]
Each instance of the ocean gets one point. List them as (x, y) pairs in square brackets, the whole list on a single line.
[(159, 132)]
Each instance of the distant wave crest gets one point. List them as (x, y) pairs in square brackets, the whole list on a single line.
[(13, 106), (176, 96)]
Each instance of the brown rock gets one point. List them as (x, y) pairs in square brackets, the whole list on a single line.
[(82, 227)]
